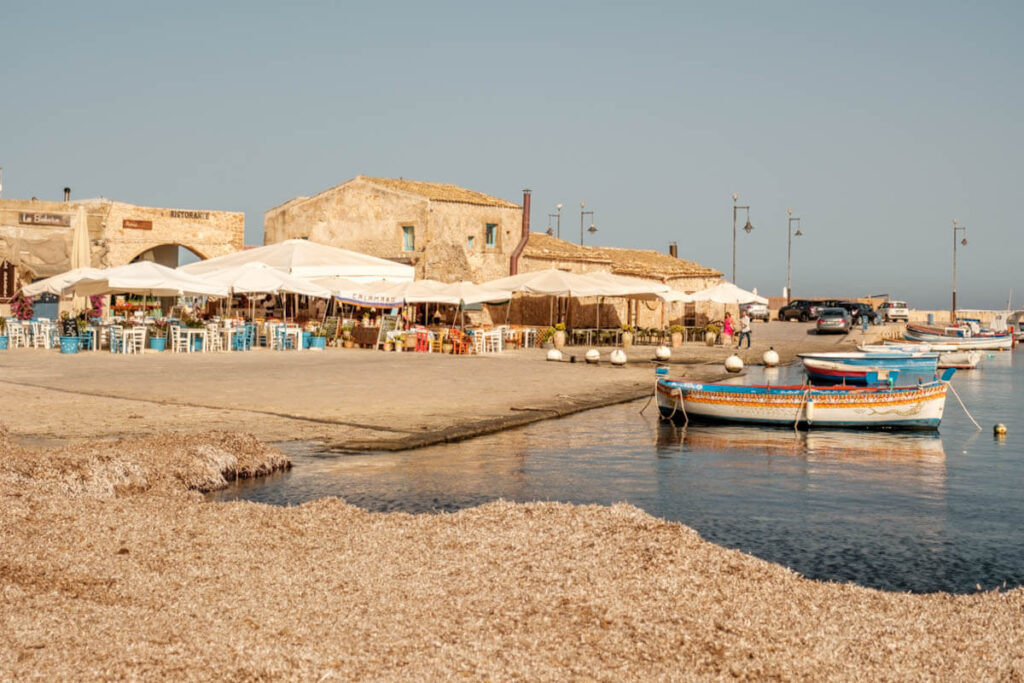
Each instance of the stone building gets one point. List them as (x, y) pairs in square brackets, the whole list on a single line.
[(36, 236), (446, 232)]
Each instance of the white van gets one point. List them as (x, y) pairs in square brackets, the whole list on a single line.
[(894, 310)]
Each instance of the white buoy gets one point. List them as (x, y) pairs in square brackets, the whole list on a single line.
[(770, 358), (809, 410), (662, 352), (554, 354), (734, 363), (618, 357), (592, 356), (999, 429)]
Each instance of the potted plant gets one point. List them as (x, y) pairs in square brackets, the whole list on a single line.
[(559, 336), (158, 335), (627, 336), (546, 338), (677, 332), (3, 332), (318, 338), (712, 331)]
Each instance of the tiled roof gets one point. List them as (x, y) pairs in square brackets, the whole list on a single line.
[(441, 192), (645, 263)]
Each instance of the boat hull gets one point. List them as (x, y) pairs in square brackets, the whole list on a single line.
[(919, 407), (983, 342), (870, 368)]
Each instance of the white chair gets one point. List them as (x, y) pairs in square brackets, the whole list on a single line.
[(494, 341), (214, 337), (177, 339), (137, 341), (16, 332)]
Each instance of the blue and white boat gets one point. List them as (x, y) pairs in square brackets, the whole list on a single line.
[(859, 367), (878, 407)]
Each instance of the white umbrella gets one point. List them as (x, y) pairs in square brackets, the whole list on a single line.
[(58, 283), (148, 278), (310, 260), (259, 278), (631, 287), (552, 282), (464, 292), (727, 293)]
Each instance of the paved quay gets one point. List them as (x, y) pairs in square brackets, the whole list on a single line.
[(351, 399)]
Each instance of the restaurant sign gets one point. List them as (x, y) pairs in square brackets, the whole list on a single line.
[(132, 224), (57, 219)]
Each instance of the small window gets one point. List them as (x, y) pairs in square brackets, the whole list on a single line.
[(469, 242), (492, 235), (409, 238)]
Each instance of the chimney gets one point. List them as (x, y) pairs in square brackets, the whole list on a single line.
[(673, 250), (513, 266), (67, 194)]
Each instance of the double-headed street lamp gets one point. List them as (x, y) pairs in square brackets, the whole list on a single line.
[(558, 221), (748, 227), (789, 253), (952, 314), (583, 213)]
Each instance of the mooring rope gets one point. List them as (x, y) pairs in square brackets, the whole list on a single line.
[(651, 398), (803, 405), (950, 385)]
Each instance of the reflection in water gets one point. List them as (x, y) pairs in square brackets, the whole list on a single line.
[(902, 511)]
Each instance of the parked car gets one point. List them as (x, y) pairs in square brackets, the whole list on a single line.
[(799, 309), (834, 319), (894, 310), (755, 310), (855, 308)]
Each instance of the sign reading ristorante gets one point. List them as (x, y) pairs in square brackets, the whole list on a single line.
[(195, 215), (27, 218)]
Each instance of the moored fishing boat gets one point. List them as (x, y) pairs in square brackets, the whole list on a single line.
[(962, 337), (878, 407), (961, 360), (870, 367), (950, 355)]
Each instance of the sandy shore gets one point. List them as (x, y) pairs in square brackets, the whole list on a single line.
[(112, 566), (350, 399)]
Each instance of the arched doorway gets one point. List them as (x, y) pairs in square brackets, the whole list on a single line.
[(170, 255)]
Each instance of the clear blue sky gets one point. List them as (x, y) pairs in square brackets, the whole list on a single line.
[(878, 122)]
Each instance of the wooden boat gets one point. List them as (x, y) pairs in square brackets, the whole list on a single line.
[(962, 337), (869, 367), (950, 355), (911, 407)]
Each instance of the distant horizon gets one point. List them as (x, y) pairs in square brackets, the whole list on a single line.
[(876, 123)]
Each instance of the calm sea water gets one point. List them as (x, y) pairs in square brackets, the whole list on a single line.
[(917, 512)]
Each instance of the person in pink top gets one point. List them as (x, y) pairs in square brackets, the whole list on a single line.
[(727, 327)]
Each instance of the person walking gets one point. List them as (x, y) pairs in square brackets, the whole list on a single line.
[(744, 330), (727, 330)]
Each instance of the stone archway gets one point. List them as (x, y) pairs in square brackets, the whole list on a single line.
[(170, 255)]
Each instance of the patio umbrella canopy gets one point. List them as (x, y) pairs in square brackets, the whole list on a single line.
[(631, 287), (147, 278), (58, 283), (310, 260), (727, 293), (259, 278), (552, 282)]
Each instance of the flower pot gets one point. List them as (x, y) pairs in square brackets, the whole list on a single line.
[(3, 341), (348, 343), (559, 339), (627, 340), (447, 347), (677, 340), (69, 344), (387, 346), (547, 345), (710, 338), (158, 343), (306, 336), (318, 343)]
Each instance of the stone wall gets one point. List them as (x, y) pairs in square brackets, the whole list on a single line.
[(368, 218)]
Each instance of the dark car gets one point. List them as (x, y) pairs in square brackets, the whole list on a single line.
[(799, 309), (834, 319)]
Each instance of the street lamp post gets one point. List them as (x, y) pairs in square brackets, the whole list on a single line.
[(748, 227), (558, 221), (789, 254), (583, 213), (952, 313)]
